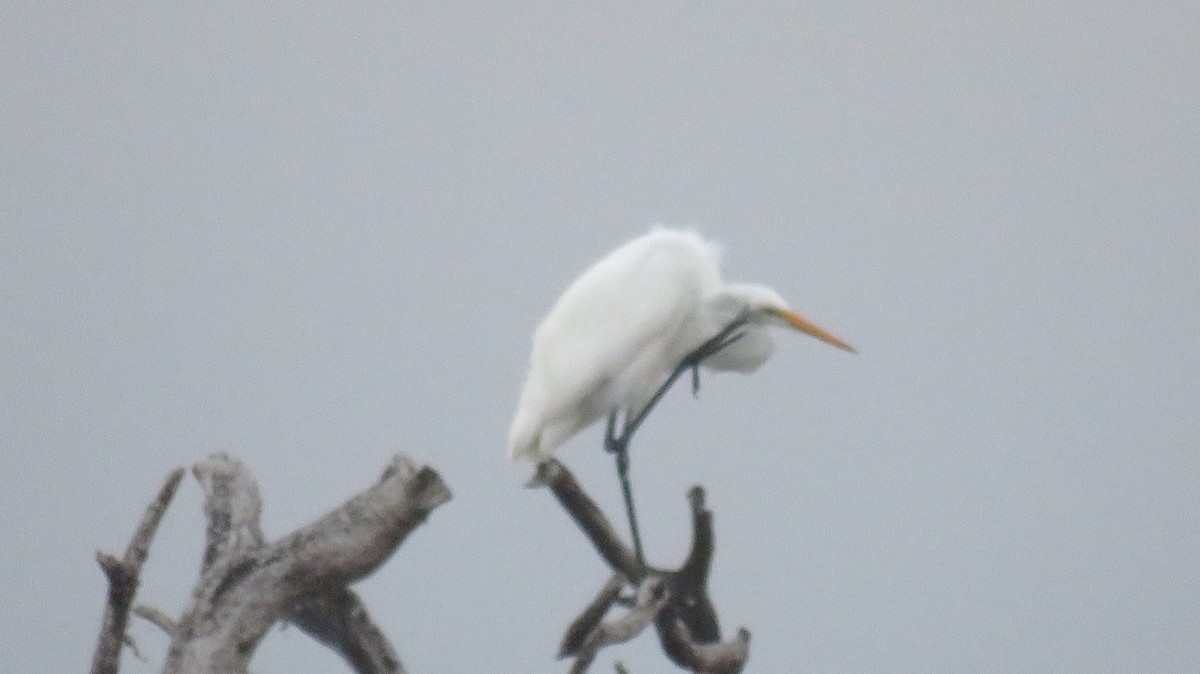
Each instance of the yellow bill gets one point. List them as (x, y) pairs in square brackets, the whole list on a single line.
[(809, 328)]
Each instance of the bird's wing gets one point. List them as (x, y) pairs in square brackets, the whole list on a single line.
[(615, 328)]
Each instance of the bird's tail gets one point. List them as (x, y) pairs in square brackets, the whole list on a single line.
[(524, 442)]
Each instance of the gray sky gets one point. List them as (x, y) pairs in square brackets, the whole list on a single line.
[(315, 236)]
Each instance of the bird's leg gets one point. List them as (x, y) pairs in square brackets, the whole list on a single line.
[(610, 434), (627, 492), (693, 360), (728, 335), (619, 444)]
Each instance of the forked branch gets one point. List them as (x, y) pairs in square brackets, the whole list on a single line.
[(676, 600), (123, 577), (248, 584)]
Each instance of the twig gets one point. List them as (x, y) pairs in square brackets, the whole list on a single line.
[(137, 653), (699, 559), (651, 597), (590, 617), (123, 577), (157, 618)]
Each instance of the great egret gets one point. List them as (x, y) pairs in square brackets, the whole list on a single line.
[(627, 328)]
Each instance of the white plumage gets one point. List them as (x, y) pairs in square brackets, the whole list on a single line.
[(626, 323)]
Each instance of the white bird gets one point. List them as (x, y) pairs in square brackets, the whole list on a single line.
[(627, 323), (631, 324)]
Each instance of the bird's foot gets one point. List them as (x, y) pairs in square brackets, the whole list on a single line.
[(612, 444)]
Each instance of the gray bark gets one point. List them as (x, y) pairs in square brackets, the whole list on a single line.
[(676, 601), (123, 577), (247, 584)]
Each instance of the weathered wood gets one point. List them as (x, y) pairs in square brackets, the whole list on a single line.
[(247, 585), (590, 519), (683, 613), (123, 577), (579, 629), (232, 508), (717, 658), (339, 620), (690, 603), (651, 597)]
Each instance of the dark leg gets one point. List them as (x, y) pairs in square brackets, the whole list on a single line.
[(728, 335), (627, 492), (610, 433), (620, 448), (619, 444)]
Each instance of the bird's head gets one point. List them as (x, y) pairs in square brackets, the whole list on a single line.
[(762, 305)]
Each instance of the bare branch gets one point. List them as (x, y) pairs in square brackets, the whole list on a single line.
[(123, 575), (689, 587), (651, 597), (685, 619), (590, 617), (699, 559), (232, 507), (590, 519), (157, 618), (722, 658), (339, 620), (134, 647), (247, 586), (354, 539)]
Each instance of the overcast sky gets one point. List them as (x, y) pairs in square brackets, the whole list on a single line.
[(315, 235)]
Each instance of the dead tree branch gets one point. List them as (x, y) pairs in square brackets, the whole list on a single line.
[(157, 618), (683, 614), (232, 507), (123, 576), (339, 620), (247, 585), (651, 597), (590, 617), (689, 586), (590, 519), (719, 658)]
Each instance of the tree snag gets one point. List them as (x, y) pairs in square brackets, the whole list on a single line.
[(247, 584), (675, 600)]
